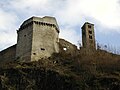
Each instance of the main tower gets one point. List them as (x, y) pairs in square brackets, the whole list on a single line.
[(88, 36), (37, 38)]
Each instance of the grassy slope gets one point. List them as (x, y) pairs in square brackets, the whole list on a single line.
[(95, 71)]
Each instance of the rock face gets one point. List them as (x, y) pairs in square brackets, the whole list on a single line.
[(37, 38)]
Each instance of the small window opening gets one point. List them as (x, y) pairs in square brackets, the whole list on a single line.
[(65, 49), (90, 32), (89, 26), (34, 53), (24, 35), (42, 49), (90, 37)]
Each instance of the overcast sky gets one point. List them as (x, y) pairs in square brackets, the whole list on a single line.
[(70, 15)]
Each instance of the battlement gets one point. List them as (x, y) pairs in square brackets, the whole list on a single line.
[(45, 21)]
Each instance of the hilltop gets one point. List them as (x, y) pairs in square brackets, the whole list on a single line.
[(94, 71)]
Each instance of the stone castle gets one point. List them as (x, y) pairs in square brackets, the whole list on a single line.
[(39, 38)]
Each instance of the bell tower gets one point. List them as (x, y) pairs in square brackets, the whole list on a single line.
[(88, 36)]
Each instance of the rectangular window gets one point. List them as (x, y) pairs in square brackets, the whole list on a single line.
[(90, 32), (90, 37), (89, 26), (42, 49)]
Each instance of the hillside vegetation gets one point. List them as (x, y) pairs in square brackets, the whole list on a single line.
[(94, 71)]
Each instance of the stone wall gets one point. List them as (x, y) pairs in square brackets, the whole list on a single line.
[(24, 42), (45, 37), (8, 54), (67, 47)]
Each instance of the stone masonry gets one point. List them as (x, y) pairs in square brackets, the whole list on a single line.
[(88, 36), (37, 38)]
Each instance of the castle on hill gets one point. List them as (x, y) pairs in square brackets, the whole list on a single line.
[(39, 38)]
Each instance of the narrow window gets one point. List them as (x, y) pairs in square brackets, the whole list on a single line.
[(90, 37), (34, 53), (89, 26), (42, 49), (90, 32)]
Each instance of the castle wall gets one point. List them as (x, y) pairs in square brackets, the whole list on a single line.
[(8, 54), (67, 47), (24, 42), (45, 38), (37, 38)]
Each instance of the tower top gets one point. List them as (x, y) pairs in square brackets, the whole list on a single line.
[(45, 20), (86, 23)]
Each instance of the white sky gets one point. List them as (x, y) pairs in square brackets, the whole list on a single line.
[(70, 14)]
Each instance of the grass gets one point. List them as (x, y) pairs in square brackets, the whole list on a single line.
[(83, 71)]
